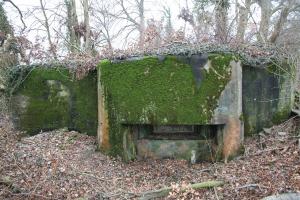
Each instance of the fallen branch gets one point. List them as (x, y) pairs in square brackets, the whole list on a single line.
[(266, 150), (30, 194), (296, 136), (216, 193), (165, 191), (283, 125), (94, 176), (251, 186)]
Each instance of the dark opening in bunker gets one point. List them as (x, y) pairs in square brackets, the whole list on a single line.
[(177, 141), (177, 132)]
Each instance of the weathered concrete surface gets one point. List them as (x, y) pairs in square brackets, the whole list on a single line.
[(130, 138), (201, 143), (230, 101), (229, 111), (102, 129), (50, 99), (232, 138), (180, 149), (267, 98)]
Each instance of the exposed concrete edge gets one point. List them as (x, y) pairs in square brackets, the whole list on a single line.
[(233, 135), (102, 130)]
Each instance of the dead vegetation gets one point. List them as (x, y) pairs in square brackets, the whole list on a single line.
[(64, 165)]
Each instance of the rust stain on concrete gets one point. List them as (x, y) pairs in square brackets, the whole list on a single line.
[(231, 138), (103, 127)]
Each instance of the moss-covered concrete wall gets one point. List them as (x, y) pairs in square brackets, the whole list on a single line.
[(50, 98), (163, 90)]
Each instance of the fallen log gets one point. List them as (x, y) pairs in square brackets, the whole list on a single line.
[(165, 191)]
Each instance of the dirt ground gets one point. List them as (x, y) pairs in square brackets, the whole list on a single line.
[(65, 165)]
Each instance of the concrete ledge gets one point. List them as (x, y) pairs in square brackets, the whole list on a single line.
[(200, 150)]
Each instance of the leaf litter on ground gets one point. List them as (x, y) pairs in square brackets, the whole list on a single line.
[(63, 164)]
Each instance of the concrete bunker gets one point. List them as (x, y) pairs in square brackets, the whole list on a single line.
[(187, 106), (201, 95), (196, 106)]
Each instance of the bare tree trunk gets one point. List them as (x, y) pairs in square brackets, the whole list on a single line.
[(46, 24), (87, 36), (72, 23), (266, 13), (168, 26), (242, 20), (142, 24), (105, 19), (185, 22), (138, 24), (279, 24), (109, 41), (221, 20)]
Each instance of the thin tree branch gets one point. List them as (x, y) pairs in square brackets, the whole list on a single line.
[(20, 13)]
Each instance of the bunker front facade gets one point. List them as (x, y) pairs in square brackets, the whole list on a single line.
[(192, 107), (195, 107)]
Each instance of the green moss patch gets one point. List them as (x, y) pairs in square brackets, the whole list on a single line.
[(156, 91), (52, 99), (281, 115)]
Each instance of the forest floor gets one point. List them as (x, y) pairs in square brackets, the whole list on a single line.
[(65, 165)]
